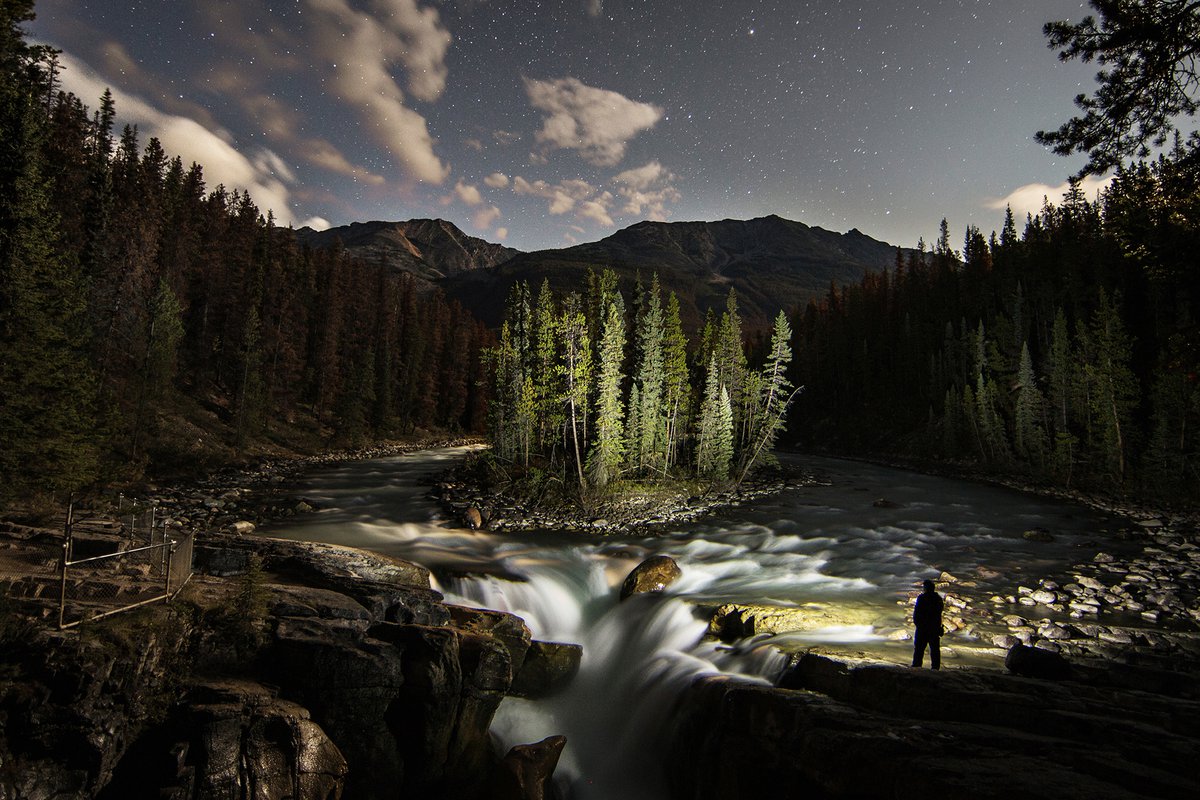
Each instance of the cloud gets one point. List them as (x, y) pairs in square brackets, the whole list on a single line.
[(598, 123), (468, 193), (1028, 199), (484, 218), (362, 47), (265, 175), (595, 8), (497, 180), (323, 154), (597, 210), (647, 190), (501, 233)]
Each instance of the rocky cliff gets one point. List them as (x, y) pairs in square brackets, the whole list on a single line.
[(835, 728), (289, 670)]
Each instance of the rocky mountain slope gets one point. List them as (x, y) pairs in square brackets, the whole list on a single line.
[(773, 263), (428, 248)]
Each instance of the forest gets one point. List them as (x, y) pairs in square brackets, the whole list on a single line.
[(585, 390), (150, 323), (1066, 353)]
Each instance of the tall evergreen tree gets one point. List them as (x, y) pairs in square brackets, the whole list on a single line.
[(47, 413), (604, 461)]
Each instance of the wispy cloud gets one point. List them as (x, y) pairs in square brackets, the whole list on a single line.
[(1030, 198), (497, 180), (647, 191), (362, 48), (598, 123), (261, 172), (644, 192)]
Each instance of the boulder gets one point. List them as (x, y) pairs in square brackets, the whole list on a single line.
[(548, 668), (653, 575), (237, 734), (473, 519), (1038, 535), (883, 502), (1032, 662), (527, 770), (733, 621)]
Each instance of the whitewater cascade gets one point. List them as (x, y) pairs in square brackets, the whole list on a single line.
[(830, 547)]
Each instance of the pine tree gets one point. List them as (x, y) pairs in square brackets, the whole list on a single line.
[(714, 435), (47, 413), (1029, 431), (604, 461), (649, 454), (1112, 389), (677, 390), (576, 371), (776, 396)]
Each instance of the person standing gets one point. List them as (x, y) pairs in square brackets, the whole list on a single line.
[(927, 617)]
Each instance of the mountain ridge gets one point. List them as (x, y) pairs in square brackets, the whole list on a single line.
[(773, 263)]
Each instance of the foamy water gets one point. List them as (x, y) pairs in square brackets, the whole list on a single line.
[(828, 545)]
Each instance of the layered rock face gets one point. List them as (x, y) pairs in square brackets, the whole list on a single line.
[(346, 677), (845, 730)]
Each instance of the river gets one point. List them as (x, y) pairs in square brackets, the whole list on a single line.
[(832, 547)]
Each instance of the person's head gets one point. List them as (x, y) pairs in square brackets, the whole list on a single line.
[(929, 586)]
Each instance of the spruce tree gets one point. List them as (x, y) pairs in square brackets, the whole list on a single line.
[(47, 391), (775, 392), (604, 460), (1029, 431)]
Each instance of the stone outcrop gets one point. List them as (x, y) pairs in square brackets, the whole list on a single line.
[(846, 730), (319, 672), (653, 575), (526, 771), (232, 734), (732, 621), (549, 667)]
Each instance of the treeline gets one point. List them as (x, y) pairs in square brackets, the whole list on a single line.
[(135, 300), (1068, 353), (591, 389)]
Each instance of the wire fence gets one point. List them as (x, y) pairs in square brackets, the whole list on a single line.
[(94, 577)]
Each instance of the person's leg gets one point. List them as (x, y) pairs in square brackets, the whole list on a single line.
[(919, 644), (935, 652)]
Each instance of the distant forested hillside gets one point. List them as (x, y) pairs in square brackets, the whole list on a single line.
[(149, 321), (1068, 352)]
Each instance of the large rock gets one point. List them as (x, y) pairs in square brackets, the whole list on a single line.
[(732, 621), (549, 667), (231, 735), (653, 575), (527, 770), (1035, 662), (846, 730)]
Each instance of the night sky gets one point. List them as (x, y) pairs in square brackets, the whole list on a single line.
[(540, 124)]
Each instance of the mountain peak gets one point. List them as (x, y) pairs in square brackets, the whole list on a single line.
[(429, 248)]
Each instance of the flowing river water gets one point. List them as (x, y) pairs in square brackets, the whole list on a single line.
[(831, 547)]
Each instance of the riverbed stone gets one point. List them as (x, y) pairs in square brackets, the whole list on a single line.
[(1036, 663), (653, 575)]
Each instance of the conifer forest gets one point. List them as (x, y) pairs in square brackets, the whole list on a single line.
[(149, 320)]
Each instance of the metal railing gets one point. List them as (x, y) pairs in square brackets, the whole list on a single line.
[(135, 575)]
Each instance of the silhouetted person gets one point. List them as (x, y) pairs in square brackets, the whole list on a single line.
[(927, 616)]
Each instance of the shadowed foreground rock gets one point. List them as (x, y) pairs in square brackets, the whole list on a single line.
[(348, 677), (526, 771), (867, 731)]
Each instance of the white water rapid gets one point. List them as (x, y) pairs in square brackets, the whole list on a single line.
[(825, 545)]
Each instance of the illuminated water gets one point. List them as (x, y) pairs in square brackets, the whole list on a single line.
[(829, 545)]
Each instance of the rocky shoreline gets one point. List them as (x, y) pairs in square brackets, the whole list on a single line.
[(355, 678)]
